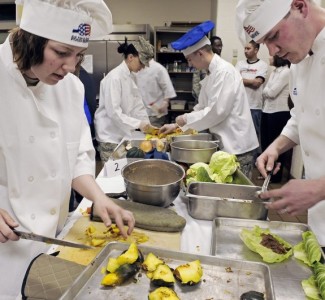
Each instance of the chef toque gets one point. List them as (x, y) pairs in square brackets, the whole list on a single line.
[(194, 39), (71, 22), (255, 18), (145, 50)]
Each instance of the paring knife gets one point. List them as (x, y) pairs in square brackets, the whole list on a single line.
[(48, 240)]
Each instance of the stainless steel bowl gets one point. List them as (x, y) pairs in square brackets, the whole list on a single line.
[(153, 181), (185, 137), (192, 151)]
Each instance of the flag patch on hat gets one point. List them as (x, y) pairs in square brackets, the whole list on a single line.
[(83, 32), (83, 29)]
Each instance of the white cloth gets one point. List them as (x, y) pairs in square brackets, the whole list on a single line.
[(276, 91), (223, 108), (121, 109), (307, 123), (70, 22), (45, 142), (255, 18), (251, 71), (155, 85)]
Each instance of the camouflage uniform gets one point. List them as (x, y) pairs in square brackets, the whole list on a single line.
[(106, 150), (198, 75), (246, 161)]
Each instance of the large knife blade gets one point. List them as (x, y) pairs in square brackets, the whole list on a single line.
[(48, 240)]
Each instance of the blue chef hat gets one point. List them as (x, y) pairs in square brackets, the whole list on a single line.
[(194, 39)]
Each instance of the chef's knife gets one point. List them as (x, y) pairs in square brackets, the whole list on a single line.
[(48, 240)]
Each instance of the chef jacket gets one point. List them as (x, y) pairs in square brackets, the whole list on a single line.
[(252, 70), (223, 108), (155, 85), (276, 91), (307, 123), (121, 109), (45, 142)]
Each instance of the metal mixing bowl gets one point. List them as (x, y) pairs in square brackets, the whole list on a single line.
[(192, 151), (153, 181)]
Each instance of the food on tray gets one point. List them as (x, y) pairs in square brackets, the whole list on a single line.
[(135, 152), (151, 263), (220, 169), (314, 286), (169, 136), (270, 246), (146, 146), (190, 273), (96, 237), (308, 250), (123, 267), (163, 293), (252, 295), (163, 276)]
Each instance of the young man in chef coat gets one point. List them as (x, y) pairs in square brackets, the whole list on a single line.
[(295, 30), (222, 106), (45, 141)]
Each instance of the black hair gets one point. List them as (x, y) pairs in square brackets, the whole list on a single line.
[(214, 38), (280, 62), (254, 44), (127, 49)]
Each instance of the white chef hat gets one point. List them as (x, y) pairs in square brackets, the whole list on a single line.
[(70, 22), (255, 18)]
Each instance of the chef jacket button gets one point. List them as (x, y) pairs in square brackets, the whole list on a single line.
[(302, 109), (53, 173), (53, 211), (317, 112), (32, 216), (31, 139), (30, 178), (307, 153), (323, 60), (52, 134)]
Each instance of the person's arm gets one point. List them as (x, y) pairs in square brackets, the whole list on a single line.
[(104, 207), (269, 157), (296, 196), (254, 83), (279, 82)]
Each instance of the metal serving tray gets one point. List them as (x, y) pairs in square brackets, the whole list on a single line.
[(287, 275), (120, 150), (210, 200), (218, 282)]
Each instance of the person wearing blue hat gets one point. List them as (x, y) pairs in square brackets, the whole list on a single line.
[(222, 107)]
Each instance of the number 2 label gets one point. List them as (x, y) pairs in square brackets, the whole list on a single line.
[(113, 168)]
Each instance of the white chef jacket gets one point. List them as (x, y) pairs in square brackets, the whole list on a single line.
[(155, 85), (276, 91), (121, 109), (45, 142), (307, 123), (223, 108), (251, 71)]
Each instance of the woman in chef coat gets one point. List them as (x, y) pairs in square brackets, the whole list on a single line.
[(45, 142), (121, 110)]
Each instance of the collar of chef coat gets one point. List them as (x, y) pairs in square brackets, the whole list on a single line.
[(214, 63), (318, 42)]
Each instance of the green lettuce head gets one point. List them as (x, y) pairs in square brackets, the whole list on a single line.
[(223, 164)]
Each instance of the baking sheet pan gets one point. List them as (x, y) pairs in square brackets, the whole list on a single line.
[(287, 275), (216, 283)]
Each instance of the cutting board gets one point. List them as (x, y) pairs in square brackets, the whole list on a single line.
[(170, 240)]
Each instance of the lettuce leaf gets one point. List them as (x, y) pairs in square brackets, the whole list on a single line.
[(253, 238), (224, 164), (319, 272), (308, 250), (310, 288)]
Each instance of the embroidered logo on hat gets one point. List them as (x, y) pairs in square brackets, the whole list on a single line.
[(83, 32)]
